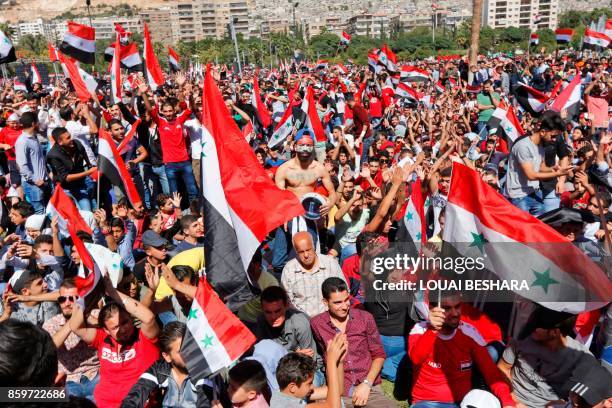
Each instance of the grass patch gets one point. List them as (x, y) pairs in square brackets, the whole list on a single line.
[(387, 387)]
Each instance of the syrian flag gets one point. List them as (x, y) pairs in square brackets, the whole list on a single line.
[(115, 73), (7, 50), (321, 64), (174, 60), (89, 81), (284, 128), (413, 74), (88, 280), (473, 88), (569, 98), (109, 52), (241, 204), (80, 43), (414, 217), (53, 54), (124, 36), (534, 39), (507, 120), (594, 40), (346, 38), (72, 72), (514, 245), (215, 337), (153, 72), (563, 35), (130, 58), (342, 69), (123, 147), (440, 87), (63, 207), (34, 74), (532, 100), (312, 120), (112, 167), (403, 90), (262, 110), (373, 62), (387, 58), (19, 86), (608, 30)]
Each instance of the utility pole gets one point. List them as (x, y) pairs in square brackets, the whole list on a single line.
[(88, 4), (475, 37), (234, 20)]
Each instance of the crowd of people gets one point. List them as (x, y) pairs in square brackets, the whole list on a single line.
[(323, 337)]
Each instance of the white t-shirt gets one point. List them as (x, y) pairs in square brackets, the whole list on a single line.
[(81, 133)]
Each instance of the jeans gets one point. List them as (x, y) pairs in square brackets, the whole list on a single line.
[(532, 203), (162, 178), (182, 169), (35, 195), (82, 389), (551, 202), (480, 126), (395, 349), (434, 404), (81, 196), (367, 142), (167, 317)]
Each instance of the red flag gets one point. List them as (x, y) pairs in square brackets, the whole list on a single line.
[(116, 73), (128, 137), (75, 77), (173, 59), (153, 73), (262, 110), (53, 55), (80, 42), (65, 209)]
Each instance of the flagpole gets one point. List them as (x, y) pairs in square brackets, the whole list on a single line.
[(98, 188)]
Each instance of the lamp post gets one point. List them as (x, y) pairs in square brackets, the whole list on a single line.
[(294, 22), (234, 20), (88, 4)]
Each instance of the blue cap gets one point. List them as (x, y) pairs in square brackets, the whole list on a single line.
[(301, 133)]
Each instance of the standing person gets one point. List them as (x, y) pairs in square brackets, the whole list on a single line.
[(72, 122), (365, 356), (77, 361), (487, 102), (303, 276), (8, 138), (125, 352), (361, 127), (526, 167), (31, 161), (71, 167), (174, 150)]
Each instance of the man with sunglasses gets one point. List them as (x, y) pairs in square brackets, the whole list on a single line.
[(77, 361)]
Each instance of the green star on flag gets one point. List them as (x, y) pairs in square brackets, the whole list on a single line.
[(203, 147), (418, 236), (193, 314), (478, 241), (543, 279), (409, 216), (207, 341)]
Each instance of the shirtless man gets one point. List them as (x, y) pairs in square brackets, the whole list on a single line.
[(300, 175)]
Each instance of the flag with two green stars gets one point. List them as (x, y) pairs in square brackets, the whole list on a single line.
[(215, 337), (480, 222)]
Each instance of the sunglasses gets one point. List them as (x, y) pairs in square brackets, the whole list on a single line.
[(63, 299)]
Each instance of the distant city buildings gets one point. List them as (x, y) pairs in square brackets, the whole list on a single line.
[(532, 14)]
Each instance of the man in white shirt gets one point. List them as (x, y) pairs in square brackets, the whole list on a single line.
[(78, 131)]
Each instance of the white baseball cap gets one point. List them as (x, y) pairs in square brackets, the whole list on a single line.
[(480, 399)]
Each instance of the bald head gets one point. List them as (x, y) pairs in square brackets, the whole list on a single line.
[(304, 249)]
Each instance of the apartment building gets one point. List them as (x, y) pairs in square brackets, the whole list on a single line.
[(161, 24), (369, 24), (532, 14)]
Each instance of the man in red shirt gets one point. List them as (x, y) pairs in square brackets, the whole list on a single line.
[(361, 126), (8, 137), (124, 351), (174, 150), (443, 351)]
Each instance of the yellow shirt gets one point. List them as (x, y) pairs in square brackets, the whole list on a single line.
[(193, 257)]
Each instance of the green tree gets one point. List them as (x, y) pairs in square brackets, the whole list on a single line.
[(325, 44), (32, 46)]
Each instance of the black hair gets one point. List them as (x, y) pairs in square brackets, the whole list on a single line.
[(446, 172), (363, 239), (28, 357), (43, 239), (24, 209), (187, 220), (28, 119), (332, 285), (294, 368), (161, 200), (114, 121), (57, 132), (117, 222), (250, 375), (171, 332), (107, 311), (66, 113), (274, 294), (183, 271), (551, 120)]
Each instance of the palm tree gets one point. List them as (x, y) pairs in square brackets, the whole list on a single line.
[(475, 37)]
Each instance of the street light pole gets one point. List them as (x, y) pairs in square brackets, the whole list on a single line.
[(88, 4), (294, 22), (233, 20)]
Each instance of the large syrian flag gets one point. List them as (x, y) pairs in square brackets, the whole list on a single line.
[(414, 217), (89, 81), (130, 58), (215, 337), (153, 72), (387, 58), (112, 167), (532, 100), (63, 207), (406, 91), (73, 72), (7, 50), (262, 110), (115, 73), (373, 62), (514, 245), (569, 98), (594, 40), (506, 119), (413, 74), (241, 204), (346, 38), (563, 35), (173, 60), (312, 120), (80, 43)]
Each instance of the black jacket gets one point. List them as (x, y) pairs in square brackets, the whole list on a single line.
[(159, 377)]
